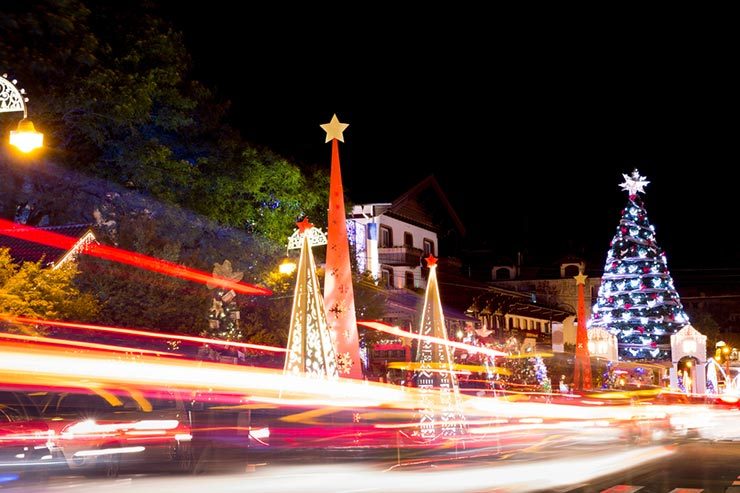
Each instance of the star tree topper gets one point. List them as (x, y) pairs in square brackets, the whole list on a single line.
[(580, 278), (634, 183), (334, 129)]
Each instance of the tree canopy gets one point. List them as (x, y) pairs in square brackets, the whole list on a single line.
[(112, 90), (30, 290), (144, 151)]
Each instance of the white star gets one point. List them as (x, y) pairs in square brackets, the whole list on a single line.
[(633, 184)]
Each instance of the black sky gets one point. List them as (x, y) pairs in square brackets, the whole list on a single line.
[(528, 131)]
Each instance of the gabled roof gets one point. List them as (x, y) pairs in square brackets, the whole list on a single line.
[(414, 206), (28, 251)]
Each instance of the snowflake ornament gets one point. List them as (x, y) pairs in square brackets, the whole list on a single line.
[(634, 183), (344, 363)]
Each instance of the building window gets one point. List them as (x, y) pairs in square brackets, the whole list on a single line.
[(408, 240), (428, 247), (511, 323), (386, 278), (409, 279), (386, 237), (502, 273), (571, 271)]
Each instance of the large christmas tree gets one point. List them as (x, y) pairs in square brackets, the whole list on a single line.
[(637, 300)]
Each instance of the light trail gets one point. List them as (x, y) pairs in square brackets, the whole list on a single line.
[(504, 477), (139, 260), (23, 364), (445, 367), (81, 344), (389, 329), (136, 332)]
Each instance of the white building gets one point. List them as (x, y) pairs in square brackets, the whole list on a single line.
[(391, 239), (389, 248)]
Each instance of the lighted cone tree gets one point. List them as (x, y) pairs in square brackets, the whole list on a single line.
[(310, 349), (434, 374), (637, 300)]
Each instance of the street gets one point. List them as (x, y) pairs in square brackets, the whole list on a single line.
[(694, 467), (556, 465)]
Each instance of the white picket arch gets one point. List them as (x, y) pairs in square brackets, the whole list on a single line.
[(689, 342)]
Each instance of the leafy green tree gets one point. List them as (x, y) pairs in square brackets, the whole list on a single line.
[(264, 194), (30, 290), (112, 91), (111, 88)]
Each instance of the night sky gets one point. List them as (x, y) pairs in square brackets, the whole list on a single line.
[(527, 135)]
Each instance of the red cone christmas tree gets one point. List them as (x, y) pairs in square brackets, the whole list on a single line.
[(338, 294), (582, 368)]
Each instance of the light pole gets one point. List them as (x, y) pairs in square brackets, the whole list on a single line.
[(12, 99)]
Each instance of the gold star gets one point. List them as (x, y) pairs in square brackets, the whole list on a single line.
[(334, 129), (580, 278)]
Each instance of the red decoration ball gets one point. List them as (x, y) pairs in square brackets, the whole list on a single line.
[(653, 344), (628, 305), (640, 329)]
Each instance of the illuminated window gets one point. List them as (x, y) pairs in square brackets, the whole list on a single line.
[(386, 278), (386, 237), (409, 279), (428, 247)]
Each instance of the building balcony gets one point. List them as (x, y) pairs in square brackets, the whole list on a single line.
[(400, 255)]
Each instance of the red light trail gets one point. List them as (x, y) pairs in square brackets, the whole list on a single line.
[(80, 344), (139, 260), (119, 330)]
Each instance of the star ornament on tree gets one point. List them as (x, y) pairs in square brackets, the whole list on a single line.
[(431, 261), (304, 225), (334, 129), (224, 271), (634, 183)]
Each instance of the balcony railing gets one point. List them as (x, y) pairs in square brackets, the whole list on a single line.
[(400, 255)]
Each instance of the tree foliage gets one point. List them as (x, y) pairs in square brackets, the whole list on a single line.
[(30, 290), (134, 142), (111, 88)]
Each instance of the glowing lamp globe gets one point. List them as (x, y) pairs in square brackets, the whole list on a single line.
[(287, 267), (26, 138)]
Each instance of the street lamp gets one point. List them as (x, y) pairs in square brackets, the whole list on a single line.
[(25, 137), (287, 267)]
